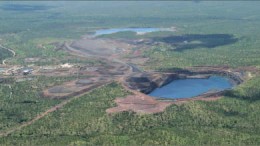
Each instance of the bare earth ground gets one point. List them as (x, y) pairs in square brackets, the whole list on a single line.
[(72, 88), (101, 47), (139, 103), (144, 104)]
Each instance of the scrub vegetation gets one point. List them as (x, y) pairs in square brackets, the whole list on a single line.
[(248, 91), (4, 54), (208, 33), (84, 122), (21, 101)]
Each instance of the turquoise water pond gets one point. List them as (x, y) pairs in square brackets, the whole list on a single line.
[(186, 88)]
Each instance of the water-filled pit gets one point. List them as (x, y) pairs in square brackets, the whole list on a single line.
[(187, 88), (137, 30)]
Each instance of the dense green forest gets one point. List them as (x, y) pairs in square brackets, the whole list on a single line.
[(208, 33)]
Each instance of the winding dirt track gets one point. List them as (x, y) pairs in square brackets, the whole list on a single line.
[(12, 51)]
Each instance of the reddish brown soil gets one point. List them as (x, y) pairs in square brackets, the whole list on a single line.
[(140, 104), (144, 104), (148, 105), (70, 89)]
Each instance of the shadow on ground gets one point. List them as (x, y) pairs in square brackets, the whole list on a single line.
[(193, 41)]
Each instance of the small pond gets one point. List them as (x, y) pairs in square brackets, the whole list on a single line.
[(137, 30), (186, 88)]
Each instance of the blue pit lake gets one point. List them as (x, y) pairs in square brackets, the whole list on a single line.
[(137, 30), (186, 88)]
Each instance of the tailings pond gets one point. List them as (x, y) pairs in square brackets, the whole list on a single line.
[(137, 30), (186, 88)]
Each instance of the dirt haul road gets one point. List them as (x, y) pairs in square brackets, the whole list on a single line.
[(12, 51)]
